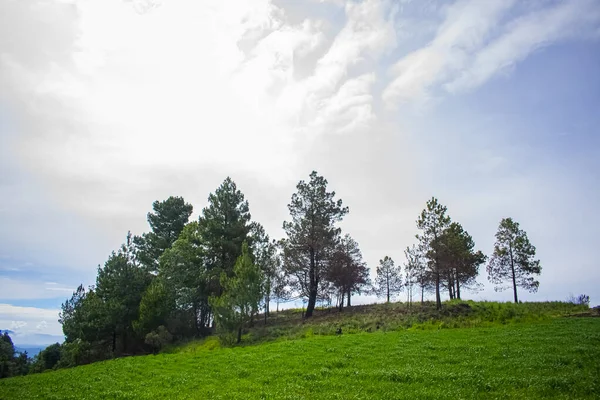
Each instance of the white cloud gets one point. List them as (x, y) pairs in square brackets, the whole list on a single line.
[(171, 90), (27, 321), (17, 325), (42, 326)]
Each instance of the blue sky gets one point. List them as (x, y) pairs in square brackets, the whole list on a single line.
[(492, 107)]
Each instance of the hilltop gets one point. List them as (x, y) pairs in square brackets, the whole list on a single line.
[(528, 350), (397, 316)]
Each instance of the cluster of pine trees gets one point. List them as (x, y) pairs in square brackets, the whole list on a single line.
[(217, 273), (444, 259)]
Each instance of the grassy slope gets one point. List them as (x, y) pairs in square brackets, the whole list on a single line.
[(553, 358)]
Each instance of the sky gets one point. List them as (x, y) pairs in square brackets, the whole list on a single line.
[(107, 105)]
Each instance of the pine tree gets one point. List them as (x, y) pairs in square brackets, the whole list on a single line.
[(414, 272), (241, 296), (432, 222), (224, 226), (186, 277), (388, 282), (460, 262), (346, 271), (311, 236), (513, 259), (167, 222)]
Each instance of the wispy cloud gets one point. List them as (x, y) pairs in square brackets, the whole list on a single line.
[(480, 39), (526, 34), (466, 26), (20, 289)]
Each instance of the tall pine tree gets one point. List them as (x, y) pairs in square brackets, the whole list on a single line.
[(311, 236), (513, 259), (432, 222), (388, 281)]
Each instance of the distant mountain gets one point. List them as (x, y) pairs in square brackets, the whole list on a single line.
[(33, 340), (31, 351)]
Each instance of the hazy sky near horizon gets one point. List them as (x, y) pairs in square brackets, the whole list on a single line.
[(107, 105)]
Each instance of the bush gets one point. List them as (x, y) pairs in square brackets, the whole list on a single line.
[(158, 338)]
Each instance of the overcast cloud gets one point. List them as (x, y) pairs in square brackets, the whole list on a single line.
[(108, 105)]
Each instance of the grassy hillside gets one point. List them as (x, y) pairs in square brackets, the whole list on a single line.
[(540, 358), (397, 316)]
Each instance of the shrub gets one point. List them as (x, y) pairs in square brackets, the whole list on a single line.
[(158, 338)]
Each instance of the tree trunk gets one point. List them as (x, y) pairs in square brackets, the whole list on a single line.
[(239, 335), (196, 319), (422, 293), (124, 340), (312, 290), (310, 307), (438, 299), (341, 301), (450, 285), (349, 295), (387, 284), (114, 341), (514, 280), (457, 288)]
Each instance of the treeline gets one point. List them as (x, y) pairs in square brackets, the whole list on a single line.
[(216, 274)]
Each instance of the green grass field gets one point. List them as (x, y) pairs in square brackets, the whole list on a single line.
[(554, 358)]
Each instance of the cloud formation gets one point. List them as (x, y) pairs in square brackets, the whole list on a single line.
[(97, 123), (31, 325), (478, 40)]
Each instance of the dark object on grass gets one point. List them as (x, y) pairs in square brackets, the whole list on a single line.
[(338, 331)]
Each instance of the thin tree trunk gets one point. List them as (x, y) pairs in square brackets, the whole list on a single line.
[(196, 319), (239, 335), (349, 295), (457, 288), (455, 283), (387, 283), (114, 341), (514, 280), (438, 299), (312, 294)]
